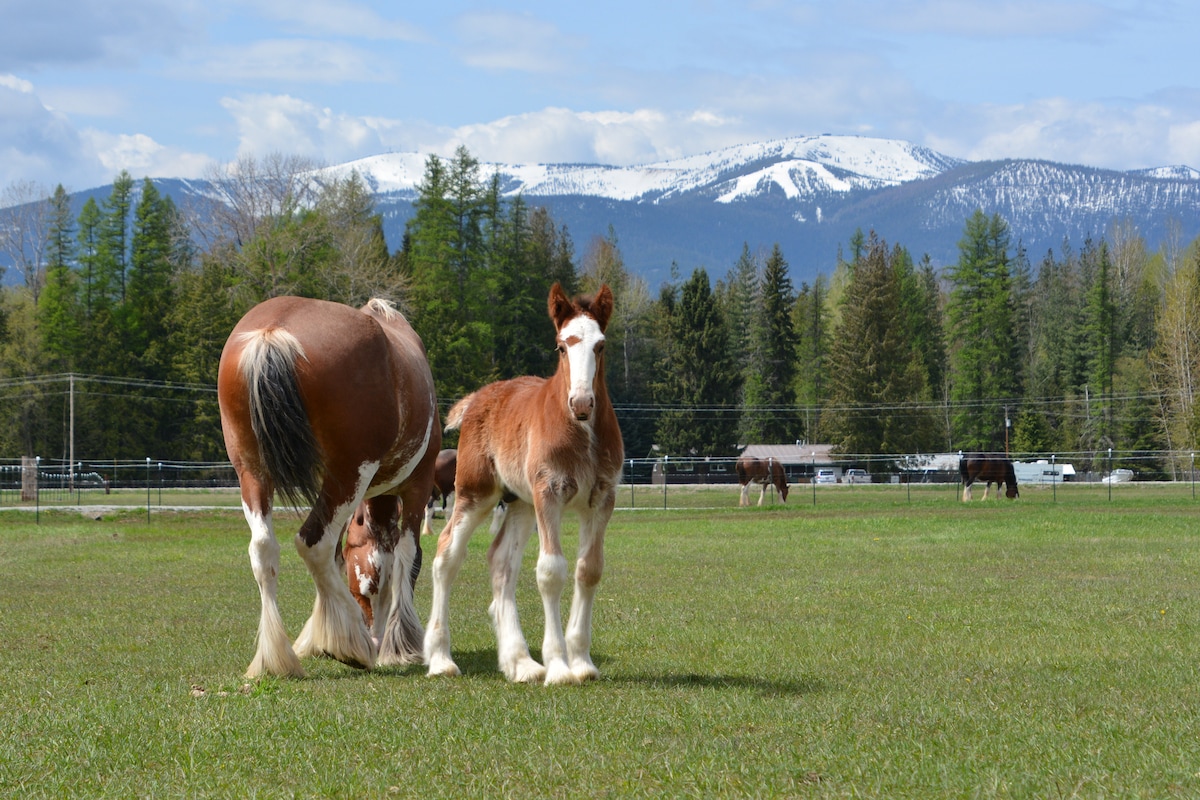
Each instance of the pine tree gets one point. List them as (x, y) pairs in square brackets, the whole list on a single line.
[(767, 414), (698, 379), (878, 390), (985, 351), (58, 313)]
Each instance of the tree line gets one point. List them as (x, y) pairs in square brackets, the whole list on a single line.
[(1089, 347)]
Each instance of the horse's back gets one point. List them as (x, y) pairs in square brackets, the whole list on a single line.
[(365, 381)]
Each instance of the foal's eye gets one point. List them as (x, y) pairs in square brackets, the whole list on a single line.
[(562, 349), (599, 348)]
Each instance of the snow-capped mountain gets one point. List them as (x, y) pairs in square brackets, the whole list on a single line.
[(807, 194), (810, 195), (798, 167)]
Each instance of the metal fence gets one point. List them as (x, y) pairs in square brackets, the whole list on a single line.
[(664, 482)]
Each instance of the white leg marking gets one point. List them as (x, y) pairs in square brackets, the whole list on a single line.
[(274, 654), (505, 558), (446, 565)]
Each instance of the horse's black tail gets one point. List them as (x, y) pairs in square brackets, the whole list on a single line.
[(1010, 473), (286, 442), (963, 472)]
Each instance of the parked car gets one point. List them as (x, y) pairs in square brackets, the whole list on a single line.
[(857, 476), (1118, 476), (826, 476)]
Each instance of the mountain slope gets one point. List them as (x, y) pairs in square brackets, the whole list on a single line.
[(809, 195)]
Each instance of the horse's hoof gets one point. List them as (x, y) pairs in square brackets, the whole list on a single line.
[(525, 671), (559, 674), (443, 667)]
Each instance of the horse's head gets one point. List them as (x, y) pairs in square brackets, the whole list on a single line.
[(1010, 481), (580, 324)]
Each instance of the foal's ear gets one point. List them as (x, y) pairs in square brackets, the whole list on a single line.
[(602, 307), (559, 305)]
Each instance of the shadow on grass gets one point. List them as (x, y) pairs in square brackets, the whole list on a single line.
[(482, 664)]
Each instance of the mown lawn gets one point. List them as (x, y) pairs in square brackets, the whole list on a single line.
[(875, 644)]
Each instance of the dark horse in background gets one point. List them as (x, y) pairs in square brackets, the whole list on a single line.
[(988, 468), (762, 471), (443, 486)]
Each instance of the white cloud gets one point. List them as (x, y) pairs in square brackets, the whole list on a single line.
[(291, 60), (519, 42), (1116, 136), (339, 18), (970, 18), (141, 156)]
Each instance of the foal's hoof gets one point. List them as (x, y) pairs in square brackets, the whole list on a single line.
[(443, 666), (559, 674), (526, 671)]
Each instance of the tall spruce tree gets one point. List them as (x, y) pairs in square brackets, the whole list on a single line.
[(984, 349), (878, 395), (699, 383), (58, 313), (768, 409)]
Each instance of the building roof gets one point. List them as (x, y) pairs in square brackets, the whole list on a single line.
[(792, 453)]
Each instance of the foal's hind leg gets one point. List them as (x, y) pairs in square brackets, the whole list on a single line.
[(504, 558)]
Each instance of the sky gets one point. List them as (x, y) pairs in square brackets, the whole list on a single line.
[(177, 88)]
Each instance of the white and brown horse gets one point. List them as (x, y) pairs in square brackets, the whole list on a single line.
[(364, 569), (443, 486), (989, 468), (542, 446), (763, 471), (330, 406)]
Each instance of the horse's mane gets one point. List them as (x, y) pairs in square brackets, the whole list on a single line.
[(383, 308)]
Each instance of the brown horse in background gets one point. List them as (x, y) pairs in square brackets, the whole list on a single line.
[(543, 446), (443, 486), (764, 472), (989, 468), (332, 407)]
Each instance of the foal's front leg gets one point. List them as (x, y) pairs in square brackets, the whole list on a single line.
[(589, 567), (451, 550), (551, 579)]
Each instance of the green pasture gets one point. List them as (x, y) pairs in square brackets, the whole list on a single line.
[(876, 643)]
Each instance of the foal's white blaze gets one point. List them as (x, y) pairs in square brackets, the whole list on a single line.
[(583, 339)]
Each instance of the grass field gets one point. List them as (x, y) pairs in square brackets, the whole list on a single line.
[(874, 644)]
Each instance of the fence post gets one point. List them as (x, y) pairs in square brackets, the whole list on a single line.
[(665, 473), (147, 488)]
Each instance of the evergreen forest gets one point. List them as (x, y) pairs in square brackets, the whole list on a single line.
[(111, 333)]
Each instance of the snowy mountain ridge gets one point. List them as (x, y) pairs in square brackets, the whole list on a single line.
[(800, 167)]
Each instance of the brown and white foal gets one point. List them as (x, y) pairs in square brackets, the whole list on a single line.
[(543, 446)]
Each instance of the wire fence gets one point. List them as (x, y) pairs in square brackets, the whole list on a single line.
[(663, 482)]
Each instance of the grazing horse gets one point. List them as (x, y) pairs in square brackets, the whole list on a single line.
[(989, 468), (764, 472), (331, 406), (542, 446), (443, 486)]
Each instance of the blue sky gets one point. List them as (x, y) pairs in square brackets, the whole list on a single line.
[(169, 88)]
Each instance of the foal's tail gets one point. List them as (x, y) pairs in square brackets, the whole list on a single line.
[(286, 442), (455, 417)]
